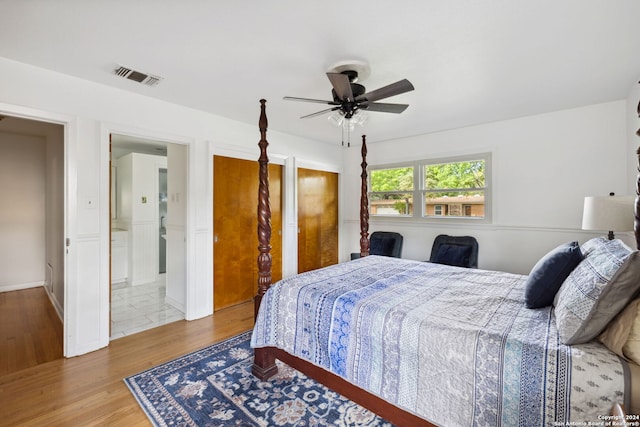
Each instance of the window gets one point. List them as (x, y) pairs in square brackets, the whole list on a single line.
[(391, 191), (460, 185), (455, 187)]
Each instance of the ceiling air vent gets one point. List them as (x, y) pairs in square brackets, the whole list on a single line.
[(137, 76)]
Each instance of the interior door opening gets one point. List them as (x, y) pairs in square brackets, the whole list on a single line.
[(32, 226), (148, 214)]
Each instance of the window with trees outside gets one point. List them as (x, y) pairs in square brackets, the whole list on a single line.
[(445, 188), (391, 191)]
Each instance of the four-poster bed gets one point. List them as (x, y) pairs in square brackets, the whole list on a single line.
[(321, 339)]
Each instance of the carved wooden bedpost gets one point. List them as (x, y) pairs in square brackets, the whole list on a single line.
[(364, 203), (264, 363), (264, 213)]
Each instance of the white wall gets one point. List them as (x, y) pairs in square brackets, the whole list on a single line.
[(91, 112), (543, 167), (176, 225), (22, 211), (54, 240)]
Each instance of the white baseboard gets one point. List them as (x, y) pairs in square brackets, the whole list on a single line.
[(21, 286), (56, 305), (143, 281), (174, 303)]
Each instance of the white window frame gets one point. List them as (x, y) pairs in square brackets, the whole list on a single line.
[(419, 190)]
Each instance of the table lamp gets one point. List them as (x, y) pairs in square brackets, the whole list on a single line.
[(612, 213)]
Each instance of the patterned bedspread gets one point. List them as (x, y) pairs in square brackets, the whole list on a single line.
[(454, 346)]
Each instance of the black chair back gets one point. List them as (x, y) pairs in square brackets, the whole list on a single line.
[(461, 251), (385, 243)]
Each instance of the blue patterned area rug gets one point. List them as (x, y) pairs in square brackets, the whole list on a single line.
[(215, 387)]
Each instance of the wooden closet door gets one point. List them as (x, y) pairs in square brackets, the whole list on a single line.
[(317, 219), (235, 225)]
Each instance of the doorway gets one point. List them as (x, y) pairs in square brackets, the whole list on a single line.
[(32, 225), (147, 233)]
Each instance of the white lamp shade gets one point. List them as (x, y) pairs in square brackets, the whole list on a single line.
[(608, 213)]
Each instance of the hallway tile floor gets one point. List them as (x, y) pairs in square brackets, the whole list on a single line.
[(138, 308)]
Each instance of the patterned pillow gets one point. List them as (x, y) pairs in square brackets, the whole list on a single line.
[(596, 290)]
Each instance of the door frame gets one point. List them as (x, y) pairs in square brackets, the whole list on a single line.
[(192, 308), (70, 209)]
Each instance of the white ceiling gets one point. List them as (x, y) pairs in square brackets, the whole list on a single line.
[(470, 61)]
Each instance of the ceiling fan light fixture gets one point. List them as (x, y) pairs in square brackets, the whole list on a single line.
[(336, 118), (359, 118), (339, 118)]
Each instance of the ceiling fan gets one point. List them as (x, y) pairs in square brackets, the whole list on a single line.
[(350, 97)]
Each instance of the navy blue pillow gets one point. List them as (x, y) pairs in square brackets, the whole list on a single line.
[(456, 255), (549, 273)]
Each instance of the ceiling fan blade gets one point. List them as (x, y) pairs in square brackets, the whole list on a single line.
[(393, 89), (341, 85), (384, 107), (318, 101), (318, 113)]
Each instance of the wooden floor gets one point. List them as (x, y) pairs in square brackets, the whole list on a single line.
[(89, 390), (30, 330)]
